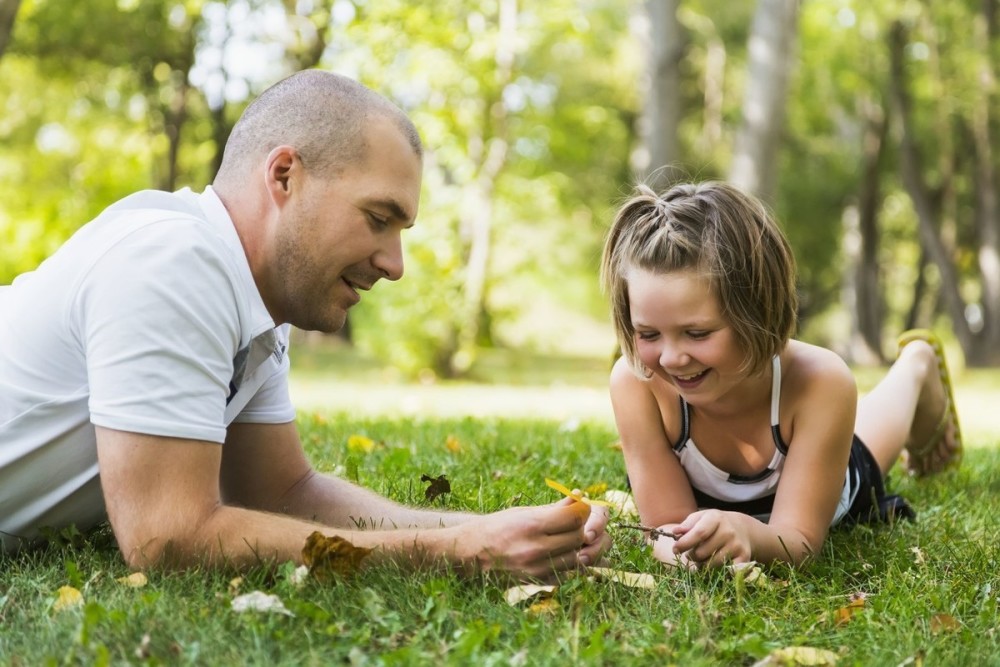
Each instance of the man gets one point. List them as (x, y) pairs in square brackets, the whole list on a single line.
[(159, 332)]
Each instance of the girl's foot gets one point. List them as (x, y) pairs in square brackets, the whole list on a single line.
[(935, 441)]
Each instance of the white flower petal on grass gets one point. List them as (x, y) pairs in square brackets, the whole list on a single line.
[(299, 576), (259, 601)]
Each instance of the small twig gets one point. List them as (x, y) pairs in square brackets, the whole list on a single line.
[(654, 533)]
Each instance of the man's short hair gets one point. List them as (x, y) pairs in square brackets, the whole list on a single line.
[(321, 114)]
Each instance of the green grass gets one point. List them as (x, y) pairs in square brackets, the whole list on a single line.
[(946, 563)]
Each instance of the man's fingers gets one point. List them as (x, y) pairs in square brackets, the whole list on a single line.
[(564, 518)]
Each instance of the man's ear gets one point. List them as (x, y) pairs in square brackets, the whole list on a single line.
[(282, 168)]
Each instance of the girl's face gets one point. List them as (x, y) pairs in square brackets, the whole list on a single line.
[(681, 335)]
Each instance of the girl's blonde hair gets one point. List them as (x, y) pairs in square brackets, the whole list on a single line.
[(720, 232)]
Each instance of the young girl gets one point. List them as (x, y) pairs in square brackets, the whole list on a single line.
[(739, 442)]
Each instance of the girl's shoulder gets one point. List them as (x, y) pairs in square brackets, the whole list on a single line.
[(806, 368)]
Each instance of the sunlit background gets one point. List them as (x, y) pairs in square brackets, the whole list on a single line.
[(870, 128)]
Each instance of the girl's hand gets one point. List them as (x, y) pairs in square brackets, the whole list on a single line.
[(663, 548), (713, 538)]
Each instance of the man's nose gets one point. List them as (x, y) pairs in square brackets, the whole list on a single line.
[(389, 259)]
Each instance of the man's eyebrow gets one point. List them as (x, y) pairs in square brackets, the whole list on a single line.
[(395, 209)]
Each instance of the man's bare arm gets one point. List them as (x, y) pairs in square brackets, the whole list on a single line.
[(165, 505)]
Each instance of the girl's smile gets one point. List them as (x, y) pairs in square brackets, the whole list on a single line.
[(681, 335)]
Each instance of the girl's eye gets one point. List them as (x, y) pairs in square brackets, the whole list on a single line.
[(646, 335), (698, 335)]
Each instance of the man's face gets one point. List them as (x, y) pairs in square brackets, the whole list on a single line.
[(338, 235)]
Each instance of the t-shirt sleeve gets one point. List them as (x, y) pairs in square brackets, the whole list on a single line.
[(272, 403), (159, 319)]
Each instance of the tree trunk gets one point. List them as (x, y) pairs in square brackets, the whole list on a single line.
[(772, 40), (8, 12), (663, 102), (912, 176), (478, 205), (987, 202), (868, 295)]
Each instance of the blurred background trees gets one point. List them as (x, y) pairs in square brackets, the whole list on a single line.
[(868, 127)]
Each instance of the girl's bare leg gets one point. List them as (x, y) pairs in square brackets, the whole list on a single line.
[(904, 410)]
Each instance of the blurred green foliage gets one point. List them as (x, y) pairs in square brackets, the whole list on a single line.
[(99, 98)]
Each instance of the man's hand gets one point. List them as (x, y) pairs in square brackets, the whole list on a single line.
[(529, 542)]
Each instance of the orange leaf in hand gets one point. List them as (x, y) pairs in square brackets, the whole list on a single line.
[(579, 497), (328, 556)]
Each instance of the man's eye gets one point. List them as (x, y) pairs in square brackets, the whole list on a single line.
[(377, 221)]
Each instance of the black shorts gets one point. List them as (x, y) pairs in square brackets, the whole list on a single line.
[(872, 504)]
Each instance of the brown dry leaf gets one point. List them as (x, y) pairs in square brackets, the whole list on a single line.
[(855, 606), (944, 623), (632, 579), (452, 444), (69, 597), (134, 580), (794, 656), (329, 556), (438, 485)]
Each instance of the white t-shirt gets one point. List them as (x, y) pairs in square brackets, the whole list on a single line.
[(146, 320)]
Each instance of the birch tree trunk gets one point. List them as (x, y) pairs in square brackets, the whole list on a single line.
[(772, 42), (662, 110)]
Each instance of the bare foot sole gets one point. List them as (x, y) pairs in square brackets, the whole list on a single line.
[(943, 448)]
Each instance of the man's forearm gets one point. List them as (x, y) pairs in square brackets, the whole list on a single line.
[(336, 502), (238, 537)]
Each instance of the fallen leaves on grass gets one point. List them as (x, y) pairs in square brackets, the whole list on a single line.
[(260, 602), (329, 556), (631, 579), (854, 607), (577, 496), (68, 597), (944, 623), (749, 573), (623, 502), (794, 656), (438, 486), (134, 580)]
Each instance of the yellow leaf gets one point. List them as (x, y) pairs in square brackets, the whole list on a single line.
[(794, 656), (944, 623), (134, 580), (543, 607), (234, 585), (452, 444), (360, 444), (596, 489), (69, 597), (575, 496), (328, 556)]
